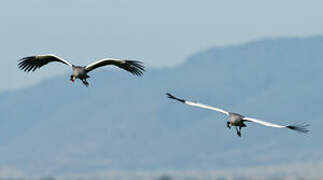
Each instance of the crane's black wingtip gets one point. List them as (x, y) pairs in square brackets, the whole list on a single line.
[(300, 127), (28, 64), (135, 67), (170, 96), (173, 97), (26, 58)]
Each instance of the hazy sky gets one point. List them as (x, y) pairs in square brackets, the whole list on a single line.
[(161, 33)]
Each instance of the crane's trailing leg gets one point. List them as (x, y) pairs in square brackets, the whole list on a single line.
[(240, 127), (85, 82), (238, 131)]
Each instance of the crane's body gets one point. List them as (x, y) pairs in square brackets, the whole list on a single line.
[(80, 73)]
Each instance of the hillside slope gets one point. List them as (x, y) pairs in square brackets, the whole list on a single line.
[(124, 122)]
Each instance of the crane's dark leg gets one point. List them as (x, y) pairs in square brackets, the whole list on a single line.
[(85, 82), (238, 131)]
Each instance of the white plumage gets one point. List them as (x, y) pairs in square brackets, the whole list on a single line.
[(238, 120)]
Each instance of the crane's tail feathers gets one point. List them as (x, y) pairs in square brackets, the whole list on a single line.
[(299, 127), (173, 97)]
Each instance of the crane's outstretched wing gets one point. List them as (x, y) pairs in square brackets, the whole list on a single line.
[(296, 127), (135, 67), (190, 103), (32, 63)]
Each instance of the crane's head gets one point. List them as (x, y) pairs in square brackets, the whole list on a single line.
[(72, 78), (229, 125)]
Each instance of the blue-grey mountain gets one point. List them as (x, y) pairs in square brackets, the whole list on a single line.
[(127, 123)]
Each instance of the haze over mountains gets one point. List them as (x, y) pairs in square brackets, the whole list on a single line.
[(123, 122)]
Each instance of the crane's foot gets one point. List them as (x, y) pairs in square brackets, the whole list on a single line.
[(85, 83), (238, 131)]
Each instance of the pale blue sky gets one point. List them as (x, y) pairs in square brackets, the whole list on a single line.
[(161, 33)]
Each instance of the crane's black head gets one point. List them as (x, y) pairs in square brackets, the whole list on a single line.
[(72, 78), (229, 125)]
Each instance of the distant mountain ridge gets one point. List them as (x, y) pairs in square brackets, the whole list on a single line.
[(127, 123)]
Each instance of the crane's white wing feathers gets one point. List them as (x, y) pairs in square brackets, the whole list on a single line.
[(100, 61), (61, 59), (190, 103), (263, 122), (206, 107), (299, 127), (134, 67)]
